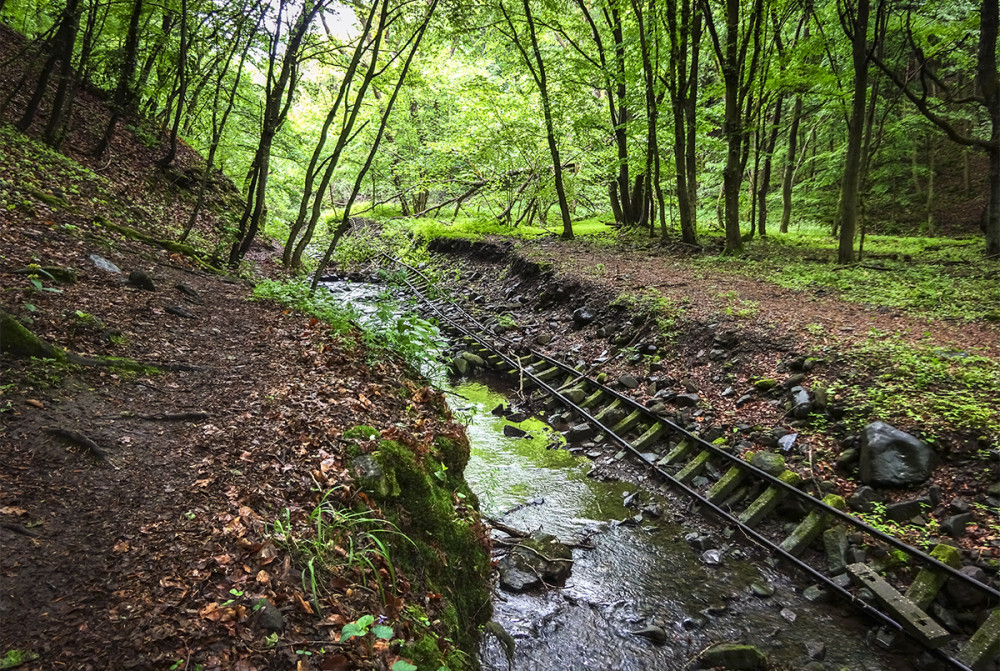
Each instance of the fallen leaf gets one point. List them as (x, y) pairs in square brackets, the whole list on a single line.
[(304, 604), (37, 404), (12, 510)]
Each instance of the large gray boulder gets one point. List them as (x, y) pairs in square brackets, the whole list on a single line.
[(894, 458)]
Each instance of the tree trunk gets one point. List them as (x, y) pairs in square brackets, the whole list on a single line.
[(123, 91), (62, 48), (182, 81), (858, 32), (788, 179), (764, 187)]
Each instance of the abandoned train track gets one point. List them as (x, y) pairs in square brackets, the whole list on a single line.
[(858, 560)]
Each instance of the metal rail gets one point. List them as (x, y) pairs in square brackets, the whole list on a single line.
[(473, 330)]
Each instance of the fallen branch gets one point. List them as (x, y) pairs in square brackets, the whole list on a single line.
[(509, 530), (176, 416), (80, 439), (18, 529)]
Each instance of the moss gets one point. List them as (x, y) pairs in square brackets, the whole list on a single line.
[(449, 554), (360, 432), (765, 384), (454, 452), (18, 340)]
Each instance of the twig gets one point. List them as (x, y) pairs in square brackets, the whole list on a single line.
[(176, 416)]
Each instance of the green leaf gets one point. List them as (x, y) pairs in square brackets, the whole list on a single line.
[(403, 665), (382, 631)]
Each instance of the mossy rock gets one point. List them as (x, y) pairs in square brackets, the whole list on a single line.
[(449, 552), (360, 432), (765, 384), (17, 340)]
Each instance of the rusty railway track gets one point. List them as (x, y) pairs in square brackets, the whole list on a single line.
[(747, 497)]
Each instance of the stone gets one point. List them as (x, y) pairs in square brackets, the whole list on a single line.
[(835, 543), (370, 476), (801, 406), (190, 294), (543, 339), (815, 594), (686, 400), (580, 432), (955, 525), (733, 656), (628, 381), (765, 384), (460, 365), (769, 462), (930, 580), (863, 500), (104, 264), (816, 650), (582, 316), (268, 617), (962, 593), (762, 590), (575, 395), (794, 380), (893, 458), (141, 280), (538, 560), (512, 431), (743, 400), (711, 557), (903, 511), (655, 634), (821, 397), (787, 441), (474, 359), (689, 386), (788, 614), (728, 392), (848, 458), (984, 644)]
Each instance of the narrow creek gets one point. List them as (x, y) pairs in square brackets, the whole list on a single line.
[(634, 570)]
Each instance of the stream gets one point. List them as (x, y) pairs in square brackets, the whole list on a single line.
[(638, 570)]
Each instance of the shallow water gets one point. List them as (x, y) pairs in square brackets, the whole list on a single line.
[(634, 576)]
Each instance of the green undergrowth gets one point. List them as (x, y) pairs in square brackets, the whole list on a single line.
[(653, 307), (940, 278), (933, 387)]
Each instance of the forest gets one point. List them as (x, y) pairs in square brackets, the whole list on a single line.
[(419, 335), (684, 119)]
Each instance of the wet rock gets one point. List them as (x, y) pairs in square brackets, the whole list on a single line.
[(268, 617), (499, 411), (582, 316), (711, 557), (733, 656), (815, 594), (963, 594), (628, 381), (104, 264), (692, 623), (686, 400), (762, 590), (799, 401), (788, 614), (473, 359), (816, 650), (141, 280), (863, 499), (538, 560), (698, 541), (655, 634), (579, 433), (903, 511), (512, 431), (516, 417), (460, 365), (893, 458)]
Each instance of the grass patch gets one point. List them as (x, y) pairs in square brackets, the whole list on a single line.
[(939, 278), (933, 387)]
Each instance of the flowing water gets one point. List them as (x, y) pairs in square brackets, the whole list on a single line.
[(626, 576)]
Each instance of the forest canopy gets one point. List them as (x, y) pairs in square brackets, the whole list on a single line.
[(683, 118)]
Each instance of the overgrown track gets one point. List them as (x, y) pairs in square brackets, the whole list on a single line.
[(879, 574)]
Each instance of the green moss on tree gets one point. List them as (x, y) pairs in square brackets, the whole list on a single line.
[(17, 340)]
